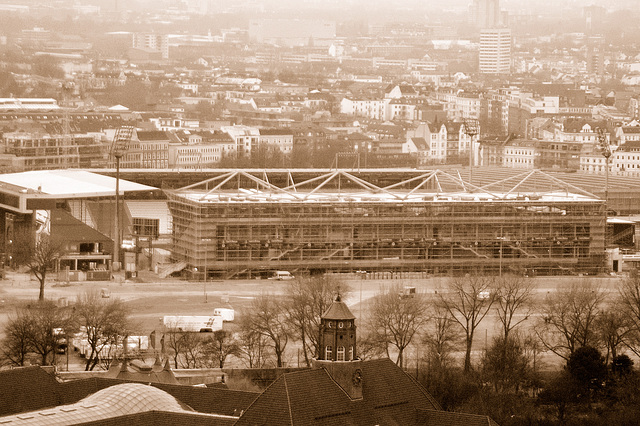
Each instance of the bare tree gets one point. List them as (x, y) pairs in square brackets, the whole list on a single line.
[(629, 303), (220, 346), (16, 346), (613, 328), (310, 297), (45, 319), (41, 259), (468, 299), (396, 320), (252, 345), (104, 320), (370, 346), (569, 318), (184, 346), (513, 296), (192, 353), (268, 316), (442, 336)]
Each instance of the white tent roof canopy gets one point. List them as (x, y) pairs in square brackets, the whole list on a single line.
[(66, 183)]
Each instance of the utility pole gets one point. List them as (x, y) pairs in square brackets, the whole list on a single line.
[(471, 129)]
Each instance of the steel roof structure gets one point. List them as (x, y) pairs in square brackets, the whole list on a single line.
[(346, 186)]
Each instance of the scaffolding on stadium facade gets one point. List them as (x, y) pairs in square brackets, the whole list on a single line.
[(241, 223)]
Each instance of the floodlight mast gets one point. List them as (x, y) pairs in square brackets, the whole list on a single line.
[(471, 129), (605, 149), (118, 148)]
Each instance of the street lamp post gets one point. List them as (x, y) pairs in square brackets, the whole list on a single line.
[(471, 129), (605, 149), (118, 149)]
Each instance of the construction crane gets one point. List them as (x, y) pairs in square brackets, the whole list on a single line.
[(119, 147)]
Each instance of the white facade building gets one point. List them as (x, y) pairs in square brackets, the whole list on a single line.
[(375, 109), (152, 41), (521, 155), (495, 51), (245, 137), (277, 138)]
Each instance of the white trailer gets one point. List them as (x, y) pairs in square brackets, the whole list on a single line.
[(195, 323), (227, 314)]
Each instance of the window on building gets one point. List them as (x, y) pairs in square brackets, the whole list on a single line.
[(146, 227), (328, 352), (340, 353), (350, 354)]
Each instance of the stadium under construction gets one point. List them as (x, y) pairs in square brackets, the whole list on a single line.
[(250, 223)]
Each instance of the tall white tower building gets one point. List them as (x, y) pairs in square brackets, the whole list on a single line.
[(495, 51), (152, 41)]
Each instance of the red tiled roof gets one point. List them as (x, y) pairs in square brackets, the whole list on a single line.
[(27, 389), (420, 143), (152, 135), (312, 397)]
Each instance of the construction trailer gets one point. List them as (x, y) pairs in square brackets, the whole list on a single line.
[(244, 224)]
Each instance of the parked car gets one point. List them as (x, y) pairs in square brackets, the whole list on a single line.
[(282, 275)]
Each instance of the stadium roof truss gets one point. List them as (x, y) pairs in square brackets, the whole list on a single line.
[(242, 185)]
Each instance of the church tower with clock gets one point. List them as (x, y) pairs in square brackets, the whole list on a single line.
[(337, 348)]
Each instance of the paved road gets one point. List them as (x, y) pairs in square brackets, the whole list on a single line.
[(149, 301)]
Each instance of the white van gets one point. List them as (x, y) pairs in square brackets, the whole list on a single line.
[(282, 275), (226, 313)]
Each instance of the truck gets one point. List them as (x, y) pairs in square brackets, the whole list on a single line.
[(408, 292), (193, 323), (227, 314)]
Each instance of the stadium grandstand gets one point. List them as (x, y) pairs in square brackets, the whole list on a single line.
[(245, 223)]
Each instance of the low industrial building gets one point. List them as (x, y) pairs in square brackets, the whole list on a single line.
[(75, 209)]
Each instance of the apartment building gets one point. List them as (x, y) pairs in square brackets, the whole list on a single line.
[(154, 147), (245, 138), (495, 51), (281, 139), (37, 151), (152, 42), (199, 149), (375, 109)]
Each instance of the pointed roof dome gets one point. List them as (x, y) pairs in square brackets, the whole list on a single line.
[(338, 310)]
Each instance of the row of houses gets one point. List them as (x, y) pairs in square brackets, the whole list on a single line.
[(148, 149)]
